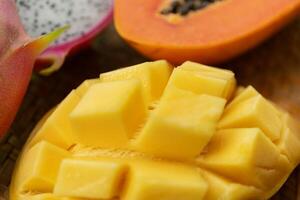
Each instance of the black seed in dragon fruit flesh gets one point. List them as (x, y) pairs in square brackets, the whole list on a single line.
[(43, 16)]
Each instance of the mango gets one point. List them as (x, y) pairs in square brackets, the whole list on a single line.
[(41, 164), (83, 87), (146, 132), (191, 124), (203, 80), (222, 188), (48, 196), (148, 181), (153, 75), (57, 128), (89, 179), (289, 140), (245, 155), (44, 196), (114, 118), (254, 112)]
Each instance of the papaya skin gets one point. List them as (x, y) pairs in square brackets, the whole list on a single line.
[(210, 36)]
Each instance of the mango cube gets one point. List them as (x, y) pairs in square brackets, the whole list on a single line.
[(203, 80), (89, 179), (84, 87), (57, 128), (162, 181), (242, 95), (246, 156), (109, 114), (40, 167), (289, 141), (222, 188), (252, 113), (153, 75), (183, 120)]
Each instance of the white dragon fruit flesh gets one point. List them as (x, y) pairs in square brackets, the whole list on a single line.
[(86, 19)]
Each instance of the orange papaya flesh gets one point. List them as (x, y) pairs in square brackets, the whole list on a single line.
[(210, 35)]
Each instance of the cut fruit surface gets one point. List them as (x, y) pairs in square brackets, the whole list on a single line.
[(145, 132), (289, 141), (41, 167), (203, 80), (111, 110), (254, 112), (214, 34), (89, 179), (149, 181), (57, 128), (84, 18), (222, 188), (246, 156), (191, 124), (153, 75)]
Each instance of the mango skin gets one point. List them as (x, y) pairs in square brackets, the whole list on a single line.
[(184, 142)]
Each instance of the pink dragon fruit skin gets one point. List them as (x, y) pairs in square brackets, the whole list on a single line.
[(57, 54), (18, 53), (53, 58)]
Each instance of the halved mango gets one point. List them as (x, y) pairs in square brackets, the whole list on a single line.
[(203, 140)]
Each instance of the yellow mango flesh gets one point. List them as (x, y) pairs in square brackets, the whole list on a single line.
[(89, 179), (246, 156), (84, 87), (153, 75), (114, 117), (203, 80), (145, 132), (222, 188), (148, 181), (191, 125), (254, 112), (57, 128), (289, 140), (47, 196), (40, 168)]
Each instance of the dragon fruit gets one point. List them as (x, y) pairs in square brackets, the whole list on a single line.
[(85, 17), (18, 53)]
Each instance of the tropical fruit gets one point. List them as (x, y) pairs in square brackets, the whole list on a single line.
[(153, 132), (85, 18), (206, 31), (18, 53)]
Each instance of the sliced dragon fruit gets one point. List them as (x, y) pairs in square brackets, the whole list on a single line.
[(85, 17), (18, 53)]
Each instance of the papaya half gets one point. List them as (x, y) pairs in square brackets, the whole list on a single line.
[(206, 31)]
